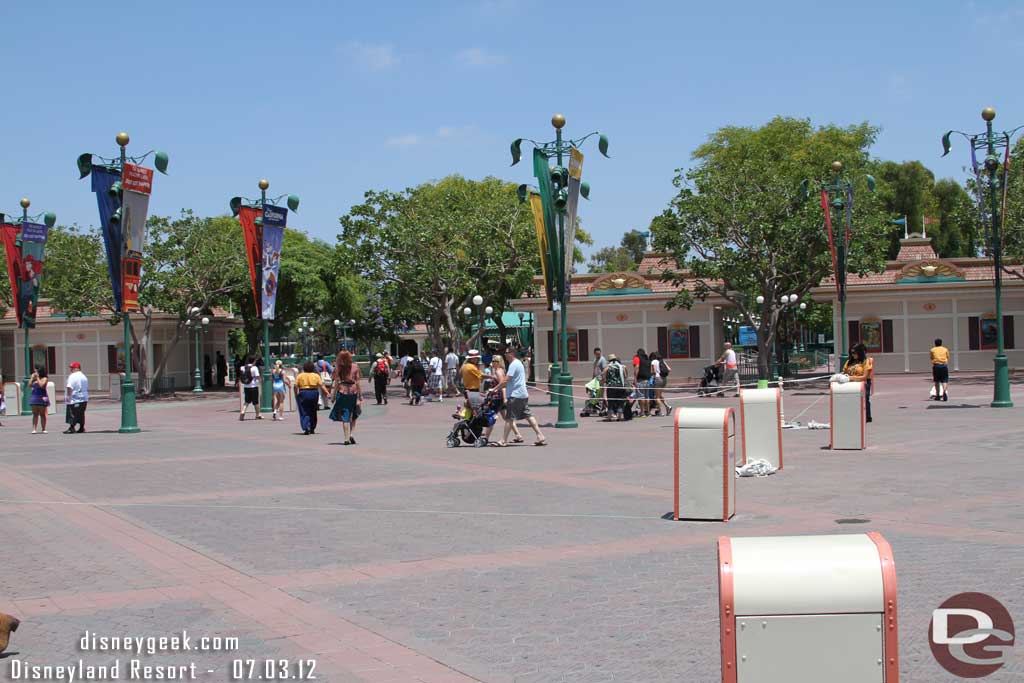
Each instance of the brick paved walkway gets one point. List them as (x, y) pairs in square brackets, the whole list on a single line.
[(401, 560)]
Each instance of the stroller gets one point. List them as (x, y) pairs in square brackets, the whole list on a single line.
[(471, 429), (711, 381), (595, 405)]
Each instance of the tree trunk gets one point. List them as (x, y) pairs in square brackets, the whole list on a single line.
[(161, 366)]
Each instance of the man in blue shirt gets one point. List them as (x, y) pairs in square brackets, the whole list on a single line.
[(517, 405)]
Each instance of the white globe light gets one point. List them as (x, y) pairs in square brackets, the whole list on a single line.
[(803, 306), (793, 298), (477, 300), (760, 299), (206, 321), (337, 323), (310, 328), (351, 322), (195, 311), (489, 310), (784, 299), (467, 310)]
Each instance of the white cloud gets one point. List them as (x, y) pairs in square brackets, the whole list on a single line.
[(448, 132), (407, 140), (478, 56), (372, 56)]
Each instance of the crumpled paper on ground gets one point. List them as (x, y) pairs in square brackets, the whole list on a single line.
[(756, 468)]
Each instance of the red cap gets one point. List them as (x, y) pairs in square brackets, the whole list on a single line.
[(75, 365)]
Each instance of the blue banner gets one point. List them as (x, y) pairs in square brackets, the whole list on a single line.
[(102, 179), (33, 248), (748, 336), (274, 220)]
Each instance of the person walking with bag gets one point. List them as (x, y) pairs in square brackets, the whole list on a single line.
[(659, 378), (379, 376), (615, 390), (249, 375), (309, 387), (38, 399), (279, 384)]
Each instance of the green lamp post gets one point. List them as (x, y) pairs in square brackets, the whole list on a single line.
[(990, 174), (559, 191), (258, 264), (837, 197), (109, 182), (28, 317), (199, 327)]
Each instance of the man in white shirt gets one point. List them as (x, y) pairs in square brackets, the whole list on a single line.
[(451, 366), (402, 363), (250, 377), (76, 398), (436, 375), (517, 403), (732, 375)]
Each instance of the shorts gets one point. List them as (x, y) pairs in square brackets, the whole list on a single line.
[(940, 373), (518, 408), (435, 381), (659, 382), (252, 395), (475, 398)]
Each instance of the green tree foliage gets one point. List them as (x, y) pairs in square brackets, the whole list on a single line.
[(75, 278), (1013, 218), (957, 232), (739, 228), (431, 248), (625, 257)]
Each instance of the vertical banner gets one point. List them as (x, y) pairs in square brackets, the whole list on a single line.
[(543, 174), (11, 235), (537, 207), (103, 179), (253, 241), (33, 249), (573, 200), (274, 221), (831, 241), (137, 185)]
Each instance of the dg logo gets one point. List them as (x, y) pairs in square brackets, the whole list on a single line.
[(971, 635)]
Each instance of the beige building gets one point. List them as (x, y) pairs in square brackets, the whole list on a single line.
[(99, 347), (899, 312), (621, 312)]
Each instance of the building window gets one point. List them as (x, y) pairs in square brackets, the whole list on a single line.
[(45, 357), (679, 341), (577, 341), (875, 334), (982, 332)]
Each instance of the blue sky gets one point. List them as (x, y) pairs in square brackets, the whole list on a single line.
[(329, 99)]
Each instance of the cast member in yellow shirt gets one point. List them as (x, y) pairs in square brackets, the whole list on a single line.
[(860, 368), (940, 370)]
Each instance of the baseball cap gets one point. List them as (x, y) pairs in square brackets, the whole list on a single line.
[(75, 365)]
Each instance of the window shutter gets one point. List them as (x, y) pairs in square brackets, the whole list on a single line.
[(694, 341), (852, 333), (51, 360), (886, 336), (111, 358), (551, 346), (663, 342), (974, 333), (1008, 331), (582, 345)]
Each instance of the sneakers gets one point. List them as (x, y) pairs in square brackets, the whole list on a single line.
[(945, 396)]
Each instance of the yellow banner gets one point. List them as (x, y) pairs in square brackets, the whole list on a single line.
[(542, 241), (575, 163)]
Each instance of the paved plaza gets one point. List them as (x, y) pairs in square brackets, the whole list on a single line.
[(399, 559)]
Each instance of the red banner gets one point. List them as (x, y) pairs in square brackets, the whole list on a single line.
[(10, 237), (253, 240), (137, 179), (831, 241)]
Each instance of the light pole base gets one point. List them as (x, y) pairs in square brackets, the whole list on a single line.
[(26, 409), (566, 412), (129, 421), (1001, 389)]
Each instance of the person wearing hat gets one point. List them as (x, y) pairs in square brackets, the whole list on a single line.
[(379, 372), (76, 398), (472, 376), (616, 391)]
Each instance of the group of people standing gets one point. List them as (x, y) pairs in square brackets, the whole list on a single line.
[(76, 399), (644, 389)]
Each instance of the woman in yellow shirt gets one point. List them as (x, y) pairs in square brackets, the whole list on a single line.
[(308, 387), (860, 368)]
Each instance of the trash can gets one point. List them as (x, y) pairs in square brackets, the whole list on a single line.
[(803, 609), (761, 425), (846, 416), (705, 461)]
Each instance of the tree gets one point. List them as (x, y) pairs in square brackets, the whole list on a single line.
[(738, 227), (627, 256), (1013, 216), (433, 247), (75, 278), (957, 233)]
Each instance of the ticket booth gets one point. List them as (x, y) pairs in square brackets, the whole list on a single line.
[(705, 463), (761, 425), (846, 416), (808, 609)]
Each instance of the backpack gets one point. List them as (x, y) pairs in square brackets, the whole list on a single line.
[(614, 376), (381, 368), (246, 374), (663, 368), (644, 369)]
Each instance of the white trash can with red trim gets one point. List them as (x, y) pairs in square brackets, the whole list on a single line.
[(808, 609), (761, 425), (846, 416), (705, 463)]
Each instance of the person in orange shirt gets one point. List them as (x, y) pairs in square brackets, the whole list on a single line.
[(940, 370), (860, 368)]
